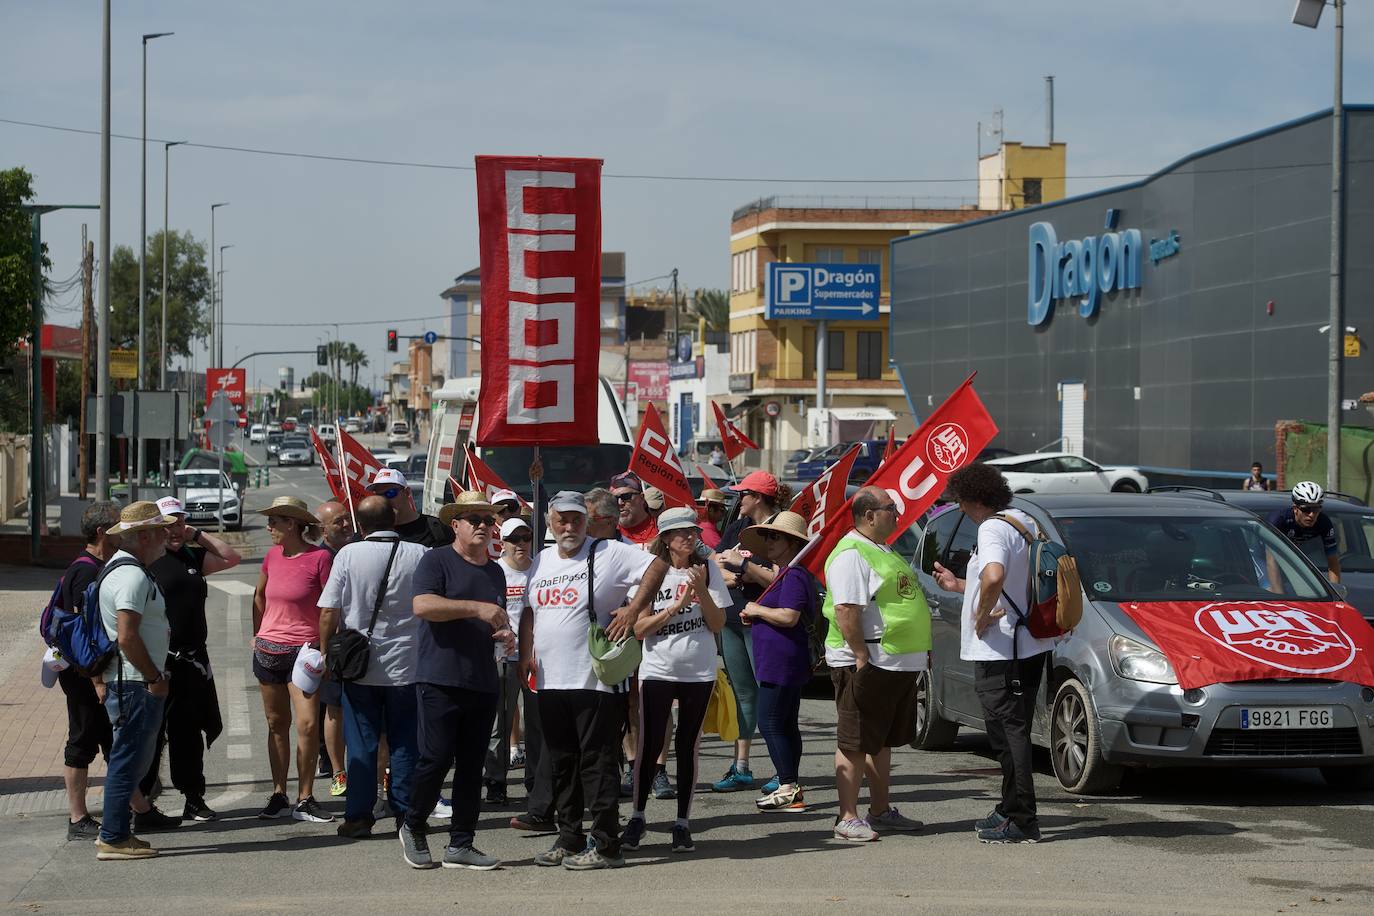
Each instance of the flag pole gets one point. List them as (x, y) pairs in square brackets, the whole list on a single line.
[(536, 484), (343, 476)]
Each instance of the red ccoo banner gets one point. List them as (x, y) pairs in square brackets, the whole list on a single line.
[(540, 225), (657, 464), (732, 438)]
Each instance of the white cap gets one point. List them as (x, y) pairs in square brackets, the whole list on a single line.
[(170, 505), (503, 496), (53, 663), (308, 670), (387, 476), (512, 525)]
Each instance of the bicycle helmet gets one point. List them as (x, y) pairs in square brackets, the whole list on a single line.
[(1308, 493)]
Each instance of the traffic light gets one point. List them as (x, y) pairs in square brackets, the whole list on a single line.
[(391, 341), (321, 355)]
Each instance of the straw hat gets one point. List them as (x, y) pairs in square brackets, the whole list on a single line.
[(788, 523), (290, 507), (139, 515), (467, 501), (712, 495)]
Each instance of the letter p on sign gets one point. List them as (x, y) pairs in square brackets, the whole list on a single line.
[(793, 286)]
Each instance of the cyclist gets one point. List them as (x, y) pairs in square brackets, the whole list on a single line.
[(1304, 521)]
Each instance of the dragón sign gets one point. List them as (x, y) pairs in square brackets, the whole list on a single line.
[(822, 292)]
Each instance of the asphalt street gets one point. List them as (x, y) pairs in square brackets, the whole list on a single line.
[(1216, 841)]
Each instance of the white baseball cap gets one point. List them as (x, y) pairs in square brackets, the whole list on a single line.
[(308, 671), (387, 476), (512, 525), (503, 496), (170, 505), (53, 664)]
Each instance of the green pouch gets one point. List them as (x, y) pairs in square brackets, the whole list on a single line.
[(612, 661)]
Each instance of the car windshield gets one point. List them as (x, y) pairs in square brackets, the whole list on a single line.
[(565, 468), (294, 442), (1183, 558), (1354, 542), (199, 480)]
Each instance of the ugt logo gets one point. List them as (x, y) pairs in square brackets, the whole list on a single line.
[(1277, 635), (947, 447)]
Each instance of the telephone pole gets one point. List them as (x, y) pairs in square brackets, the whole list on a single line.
[(87, 327)]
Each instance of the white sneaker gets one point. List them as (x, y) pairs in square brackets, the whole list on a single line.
[(855, 830), (443, 810), (786, 798)]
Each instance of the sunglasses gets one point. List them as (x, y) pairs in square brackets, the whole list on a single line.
[(388, 493), (744, 493), (771, 536), (519, 539), (1309, 508), (625, 497), (890, 507), (479, 520)]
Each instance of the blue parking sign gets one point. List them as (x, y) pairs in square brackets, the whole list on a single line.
[(822, 292)]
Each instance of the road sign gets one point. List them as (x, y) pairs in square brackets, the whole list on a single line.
[(123, 363), (822, 292), (430, 337), (221, 408), (772, 408), (220, 434), (233, 382)]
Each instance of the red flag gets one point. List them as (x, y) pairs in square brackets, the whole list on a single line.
[(539, 223), (826, 493), (891, 448), (657, 464), (359, 465), (328, 465), (916, 474), (731, 439), (705, 476), (1219, 641), (484, 479)]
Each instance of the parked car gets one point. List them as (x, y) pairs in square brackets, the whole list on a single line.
[(201, 492), (289, 425), (257, 433), (353, 425), (794, 458), (1060, 472), (383, 455), (295, 450), (274, 438), (869, 457), (399, 434), (327, 433), (1110, 698)]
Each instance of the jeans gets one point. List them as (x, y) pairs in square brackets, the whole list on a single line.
[(779, 707), (507, 696), (737, 647), (368, 713), (454, 725), (1007, 720), (136, 716), (582, 736)]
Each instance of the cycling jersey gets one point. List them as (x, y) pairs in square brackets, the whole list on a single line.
[(1287, 524)]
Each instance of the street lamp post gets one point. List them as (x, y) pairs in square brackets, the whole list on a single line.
[(1308, 13), (143, 245), (102, 315), (162, 361), (216, 344), (220, 355)]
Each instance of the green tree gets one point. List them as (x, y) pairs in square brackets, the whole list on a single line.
[(712, 305), (188, 294), (16, 290), (355, 360)]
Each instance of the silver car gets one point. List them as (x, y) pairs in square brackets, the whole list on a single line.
[(295, 450), (1110, 698)]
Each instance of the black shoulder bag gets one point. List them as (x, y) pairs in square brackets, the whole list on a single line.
[(349, 650)]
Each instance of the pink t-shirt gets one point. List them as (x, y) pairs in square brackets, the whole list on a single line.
[(292, 597)]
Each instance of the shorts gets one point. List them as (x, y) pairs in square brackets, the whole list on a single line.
[(330, 692), (273, 662), (88, 725), (875, 708)]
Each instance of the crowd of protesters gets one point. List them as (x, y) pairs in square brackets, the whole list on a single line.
[(405, 647)]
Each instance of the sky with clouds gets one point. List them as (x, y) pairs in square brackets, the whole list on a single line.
[(872, 89)]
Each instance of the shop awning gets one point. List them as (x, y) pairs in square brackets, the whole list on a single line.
[(866, 414)]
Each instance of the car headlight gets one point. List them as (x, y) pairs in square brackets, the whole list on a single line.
[(231, 504), (1138, 662)]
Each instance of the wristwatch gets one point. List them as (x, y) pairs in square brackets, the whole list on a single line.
[(161, 676), (196, 539)]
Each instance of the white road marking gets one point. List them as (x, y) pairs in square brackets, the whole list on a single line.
[(240, 752), (238, 786)]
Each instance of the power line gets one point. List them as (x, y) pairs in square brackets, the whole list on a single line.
[(320, 324)]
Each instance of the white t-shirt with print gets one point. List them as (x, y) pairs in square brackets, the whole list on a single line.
[(684, 648), (999, 542), (515, 603), (852, 581), (556, 593)]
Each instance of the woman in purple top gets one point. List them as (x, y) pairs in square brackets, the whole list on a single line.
[(780, 621)]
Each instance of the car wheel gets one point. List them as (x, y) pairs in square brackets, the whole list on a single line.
[(1125, 486), (1076, 743), (1349, 778), (933, 733)]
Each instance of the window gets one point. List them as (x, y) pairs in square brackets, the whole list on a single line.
[(1071, 464), (1030, 191), (827, 255), (937, 538), (751, 269), (870, 354), (834, 351), (870, 256)]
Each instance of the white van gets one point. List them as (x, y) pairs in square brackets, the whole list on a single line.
[(453, 421)]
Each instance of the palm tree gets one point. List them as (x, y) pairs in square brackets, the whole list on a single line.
[(355, 360), (713, 306)]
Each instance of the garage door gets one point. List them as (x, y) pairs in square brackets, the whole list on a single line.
[(1071, 396)]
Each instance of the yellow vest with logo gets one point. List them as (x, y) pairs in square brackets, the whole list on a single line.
[(906, 616)]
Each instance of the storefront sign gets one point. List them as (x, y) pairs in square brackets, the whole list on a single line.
[(652, 379), (688, 370), (741, 382), (1164, 248), (1089, 268)]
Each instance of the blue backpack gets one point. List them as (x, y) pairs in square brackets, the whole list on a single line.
[(80, 635), (45, 620)]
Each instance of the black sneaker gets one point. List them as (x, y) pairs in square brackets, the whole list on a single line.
[(88, 828), (496, 794), (634, 834), (277, 806), (153, 820), (994, 820), (627, 782), (662, 787), (533, 823), (197, 810), (682, 839), (1009, 832), (307, 809)]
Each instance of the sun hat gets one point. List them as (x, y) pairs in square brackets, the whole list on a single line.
[(139, 515), (467, 501), (569, 501), (290, 507), (512, 525), (653, 499), (711, 495), (758, 482), (788, 523), (53, 664), (170, 505), (628, 479), (678, 517), (308, 671), (387, 477)]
